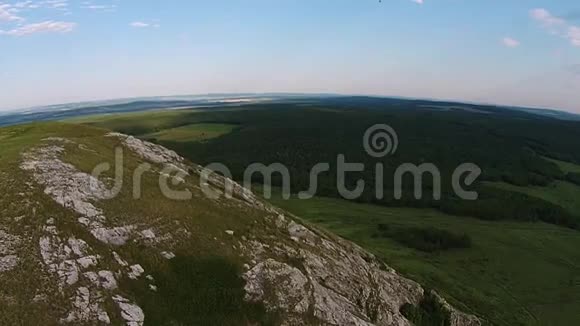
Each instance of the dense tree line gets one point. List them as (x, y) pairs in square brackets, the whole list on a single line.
[(425, 239), (573, 178)]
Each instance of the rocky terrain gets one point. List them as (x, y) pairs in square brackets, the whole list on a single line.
[(95, 254)]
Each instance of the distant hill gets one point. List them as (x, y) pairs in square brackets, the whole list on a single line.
[(65, 111)]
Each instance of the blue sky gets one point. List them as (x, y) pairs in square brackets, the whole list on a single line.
[(496, 51)]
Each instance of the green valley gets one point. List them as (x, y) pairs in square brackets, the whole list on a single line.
[(514, 261)]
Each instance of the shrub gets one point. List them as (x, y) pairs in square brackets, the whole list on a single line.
[(429, 312), (200, 291), (426, 239), (573, 177)]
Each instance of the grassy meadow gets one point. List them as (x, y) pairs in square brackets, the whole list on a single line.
[(513, 274), (566, 167), (561, 193), (193, 132)]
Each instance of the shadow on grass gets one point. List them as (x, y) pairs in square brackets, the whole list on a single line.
[(429, 312), (200, 291)]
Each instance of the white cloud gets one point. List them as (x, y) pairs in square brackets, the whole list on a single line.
[(139, 24), (99, 7), (574, 35), (23, 4), (13, 12), (418, 1), (8, 13), (510, 42), (43, 27), (545, 17), (53, 3), (557, 25)]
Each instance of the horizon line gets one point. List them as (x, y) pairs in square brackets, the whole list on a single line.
[(132, 99)]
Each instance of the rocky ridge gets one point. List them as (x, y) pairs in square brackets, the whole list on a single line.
[(299, 273)]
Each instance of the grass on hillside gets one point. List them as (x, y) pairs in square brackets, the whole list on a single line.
[(566, 167), (23, 282), (513, 273), (561, 193), (188, 133), (139, 122), (207, 272), (143, 123)]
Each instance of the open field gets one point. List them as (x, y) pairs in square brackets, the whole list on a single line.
[(144, 121), (561, 193), (566, 167), (514, 273), (193, 132)]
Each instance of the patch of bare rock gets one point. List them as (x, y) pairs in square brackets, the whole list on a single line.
[(330, 279), (8, 246), (73, 189)]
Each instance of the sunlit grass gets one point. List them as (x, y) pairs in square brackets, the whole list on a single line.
[(193, 132), (566, 167), (561, 193)]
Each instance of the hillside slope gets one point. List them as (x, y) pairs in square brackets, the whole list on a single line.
[(73, 251)]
